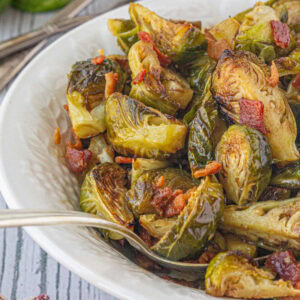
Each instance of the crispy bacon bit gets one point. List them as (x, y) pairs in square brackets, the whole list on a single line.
[(123, 160), (77, 142), (139, 77), (285, 264), (77, 160), (163, 59), (252, 114), (160, 182), (66, 107), (215, 48), (296, 82), (56, 136), (99, 59), (210, 169), (183, 282), (110, 84), (274, 78), (281, 33)]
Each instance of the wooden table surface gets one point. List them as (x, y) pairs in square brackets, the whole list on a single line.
[(25, 269)]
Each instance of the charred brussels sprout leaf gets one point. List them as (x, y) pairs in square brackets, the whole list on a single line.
[(135, 129), (288, 177), (125, 31), (196, 224), (160, 88), (272, 225), (242, 75), (85, 95), (180, 41), (246, 163), (142, 191), (103, 192), (275, 193), (232, 275)]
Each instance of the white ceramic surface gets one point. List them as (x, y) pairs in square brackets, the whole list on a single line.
[(32, 169)]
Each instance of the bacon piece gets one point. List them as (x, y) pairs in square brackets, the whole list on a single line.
[(210, 169), (296, 82), (285, 264), (162, 197), (77, 160), (56, 136), (160, 181), (274, 78), (252, 114), (66, 107), (139, 77), (110, 84), (123, 160), (98, 60), (281, 33), (215, 48), (163, 58)]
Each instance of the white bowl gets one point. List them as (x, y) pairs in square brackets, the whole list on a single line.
[(32, 169)]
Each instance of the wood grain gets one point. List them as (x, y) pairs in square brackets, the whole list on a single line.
[(25, 269)]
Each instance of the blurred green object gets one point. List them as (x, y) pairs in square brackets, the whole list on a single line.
[(38, 5), (4, 4)]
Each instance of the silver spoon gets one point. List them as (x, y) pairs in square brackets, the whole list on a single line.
[(17, 218)]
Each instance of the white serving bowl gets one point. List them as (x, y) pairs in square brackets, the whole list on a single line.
[(33, 173)]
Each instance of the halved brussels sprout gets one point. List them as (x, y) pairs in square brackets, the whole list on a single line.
[(287, 177), (180, 41), (196, 224), (246, 164), (200, 144), (125, 31), (272, 225), (232, 275), (85, 95), (103, 192), (161, 88), (140, 165), (233, 243), (142, 191), (242, 75), (255, 34), (289, 65), (135, 129), (156, 226)]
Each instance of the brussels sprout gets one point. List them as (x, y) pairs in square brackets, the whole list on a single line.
[(233, 243), (200, 144), (287, 177), (196, 224), (103, 192), (125, 31), (85, 95), (246, 164), (275, 193), (232, 275), (293, 95), (157, 227), (161, 88), (180, 41), (135, 129), (293, 10), (289, 65), (101, 151), (140, 165), (272, 225), (142, 191), (256, 35), (242, 75)]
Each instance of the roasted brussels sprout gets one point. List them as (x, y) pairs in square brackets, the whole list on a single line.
[(135, 129), (200, 144), (272, 225), (242, 75), (295, 107), (180, 41), (232, 275), (160, 88), (246, 164), (196, 224), (287, 177), (85, 95), (101, 151), (143, 190), (233, 243), (103, 192), (289, 65), (292, 7), (125, 31), (275, 193), (255, 34)]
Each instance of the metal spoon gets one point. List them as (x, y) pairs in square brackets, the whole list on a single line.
[(17, 218)]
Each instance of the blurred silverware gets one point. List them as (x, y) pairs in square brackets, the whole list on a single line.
[(11, 66)]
